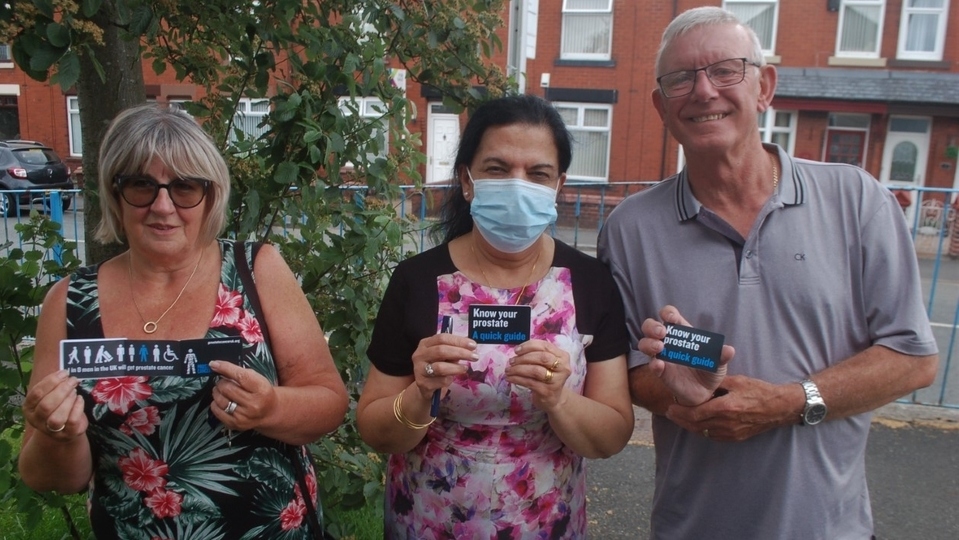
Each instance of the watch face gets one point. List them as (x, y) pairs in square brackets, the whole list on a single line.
[(814, 414)]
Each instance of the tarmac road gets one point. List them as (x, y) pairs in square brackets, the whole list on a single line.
[(912, 469)]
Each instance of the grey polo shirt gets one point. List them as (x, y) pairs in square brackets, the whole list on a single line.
[(827, 270)]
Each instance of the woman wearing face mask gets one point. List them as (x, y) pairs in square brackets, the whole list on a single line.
[(529, 372)]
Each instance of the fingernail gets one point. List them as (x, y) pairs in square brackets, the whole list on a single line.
[(475, 356), (471, 344), (519, 349)]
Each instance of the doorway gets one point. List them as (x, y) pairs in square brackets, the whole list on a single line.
[(444, 139), (904, 160)]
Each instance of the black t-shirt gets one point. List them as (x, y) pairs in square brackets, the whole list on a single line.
[(409, 308)]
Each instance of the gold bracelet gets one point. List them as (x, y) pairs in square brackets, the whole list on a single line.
[(398, 413)]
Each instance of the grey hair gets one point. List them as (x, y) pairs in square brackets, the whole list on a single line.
[(141, 134), (705, 16)]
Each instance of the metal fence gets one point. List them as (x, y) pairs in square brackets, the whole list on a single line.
[(584, 207)]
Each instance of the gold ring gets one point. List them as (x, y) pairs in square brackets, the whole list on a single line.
[(51, 430), (706, 433), (548, 378), (555, 365)]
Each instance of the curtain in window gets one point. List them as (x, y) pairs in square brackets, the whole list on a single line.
[(586, 34), (922, 25), (860, 29), (759, 17), (587, 27), (589, 154)]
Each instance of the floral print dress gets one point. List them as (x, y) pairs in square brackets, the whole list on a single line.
[(491, 466), (163, 467)]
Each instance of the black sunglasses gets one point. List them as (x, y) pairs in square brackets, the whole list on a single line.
[(140, 190)]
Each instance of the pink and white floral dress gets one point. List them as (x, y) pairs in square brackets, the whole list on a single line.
[(491, 466)]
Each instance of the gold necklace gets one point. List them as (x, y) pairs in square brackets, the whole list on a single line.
[(150, 327), (775, 172), (490, 282)]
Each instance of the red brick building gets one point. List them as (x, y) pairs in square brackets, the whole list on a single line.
[(870, 82)]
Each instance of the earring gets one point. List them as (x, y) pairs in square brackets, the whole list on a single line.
[(466, 194)]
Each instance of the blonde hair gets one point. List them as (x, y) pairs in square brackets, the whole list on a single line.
[(139, 135)]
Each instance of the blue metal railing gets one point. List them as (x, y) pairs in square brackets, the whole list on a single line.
[(583, 209)]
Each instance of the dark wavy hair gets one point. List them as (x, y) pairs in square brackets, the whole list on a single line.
[(521, 109)]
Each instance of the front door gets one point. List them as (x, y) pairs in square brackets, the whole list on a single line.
[(904, 158), (444, 139)]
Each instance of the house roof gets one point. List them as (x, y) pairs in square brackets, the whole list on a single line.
[(886, 86)]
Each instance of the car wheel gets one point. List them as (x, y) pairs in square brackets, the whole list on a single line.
[(7, 204)]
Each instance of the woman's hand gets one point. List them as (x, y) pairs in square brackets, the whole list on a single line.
[(543, 368), (242, 398), (437, 360), (689, 386), (53, 407)]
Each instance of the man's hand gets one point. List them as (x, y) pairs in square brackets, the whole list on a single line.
[(689, 386)]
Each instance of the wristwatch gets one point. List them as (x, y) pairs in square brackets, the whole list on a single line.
[(815, 410)]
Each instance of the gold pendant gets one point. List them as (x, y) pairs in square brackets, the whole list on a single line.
[(150, 327)]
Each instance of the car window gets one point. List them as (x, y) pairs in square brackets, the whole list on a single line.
[(36, 156)]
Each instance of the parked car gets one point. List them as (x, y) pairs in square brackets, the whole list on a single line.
[(32, 166)]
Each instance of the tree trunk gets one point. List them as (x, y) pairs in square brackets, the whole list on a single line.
[(100, 101)]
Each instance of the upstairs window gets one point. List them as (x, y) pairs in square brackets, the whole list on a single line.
[(860, 26), (587, 29), (761, 16), (922, 30), (5, 55)]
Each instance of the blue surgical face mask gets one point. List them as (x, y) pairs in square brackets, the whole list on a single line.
[(511, 214)]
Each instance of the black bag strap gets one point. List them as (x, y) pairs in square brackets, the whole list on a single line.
[(244, 269)]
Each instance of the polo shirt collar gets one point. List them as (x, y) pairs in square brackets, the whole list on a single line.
[(792, 187)]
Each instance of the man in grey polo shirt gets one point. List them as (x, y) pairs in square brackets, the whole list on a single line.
[(809, 272)]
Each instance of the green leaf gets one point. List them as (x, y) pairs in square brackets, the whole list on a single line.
[(68, 70), (141, 19), (45, 7), (45, 56), (286, 173), (58, 35), (89, 8)]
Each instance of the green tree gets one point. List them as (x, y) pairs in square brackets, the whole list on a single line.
[(319, 181)]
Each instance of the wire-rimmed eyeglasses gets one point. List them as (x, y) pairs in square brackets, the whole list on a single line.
[(140, 190), (724, 73)]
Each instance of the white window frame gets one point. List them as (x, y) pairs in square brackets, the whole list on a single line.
[(580, 127), (569, 14), (768, 128), (245, 110), (943, 19), (372, 108), (73, 126), (758, 4), (845, 8)]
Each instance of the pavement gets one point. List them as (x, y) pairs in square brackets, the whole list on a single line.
[(912, 467)]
